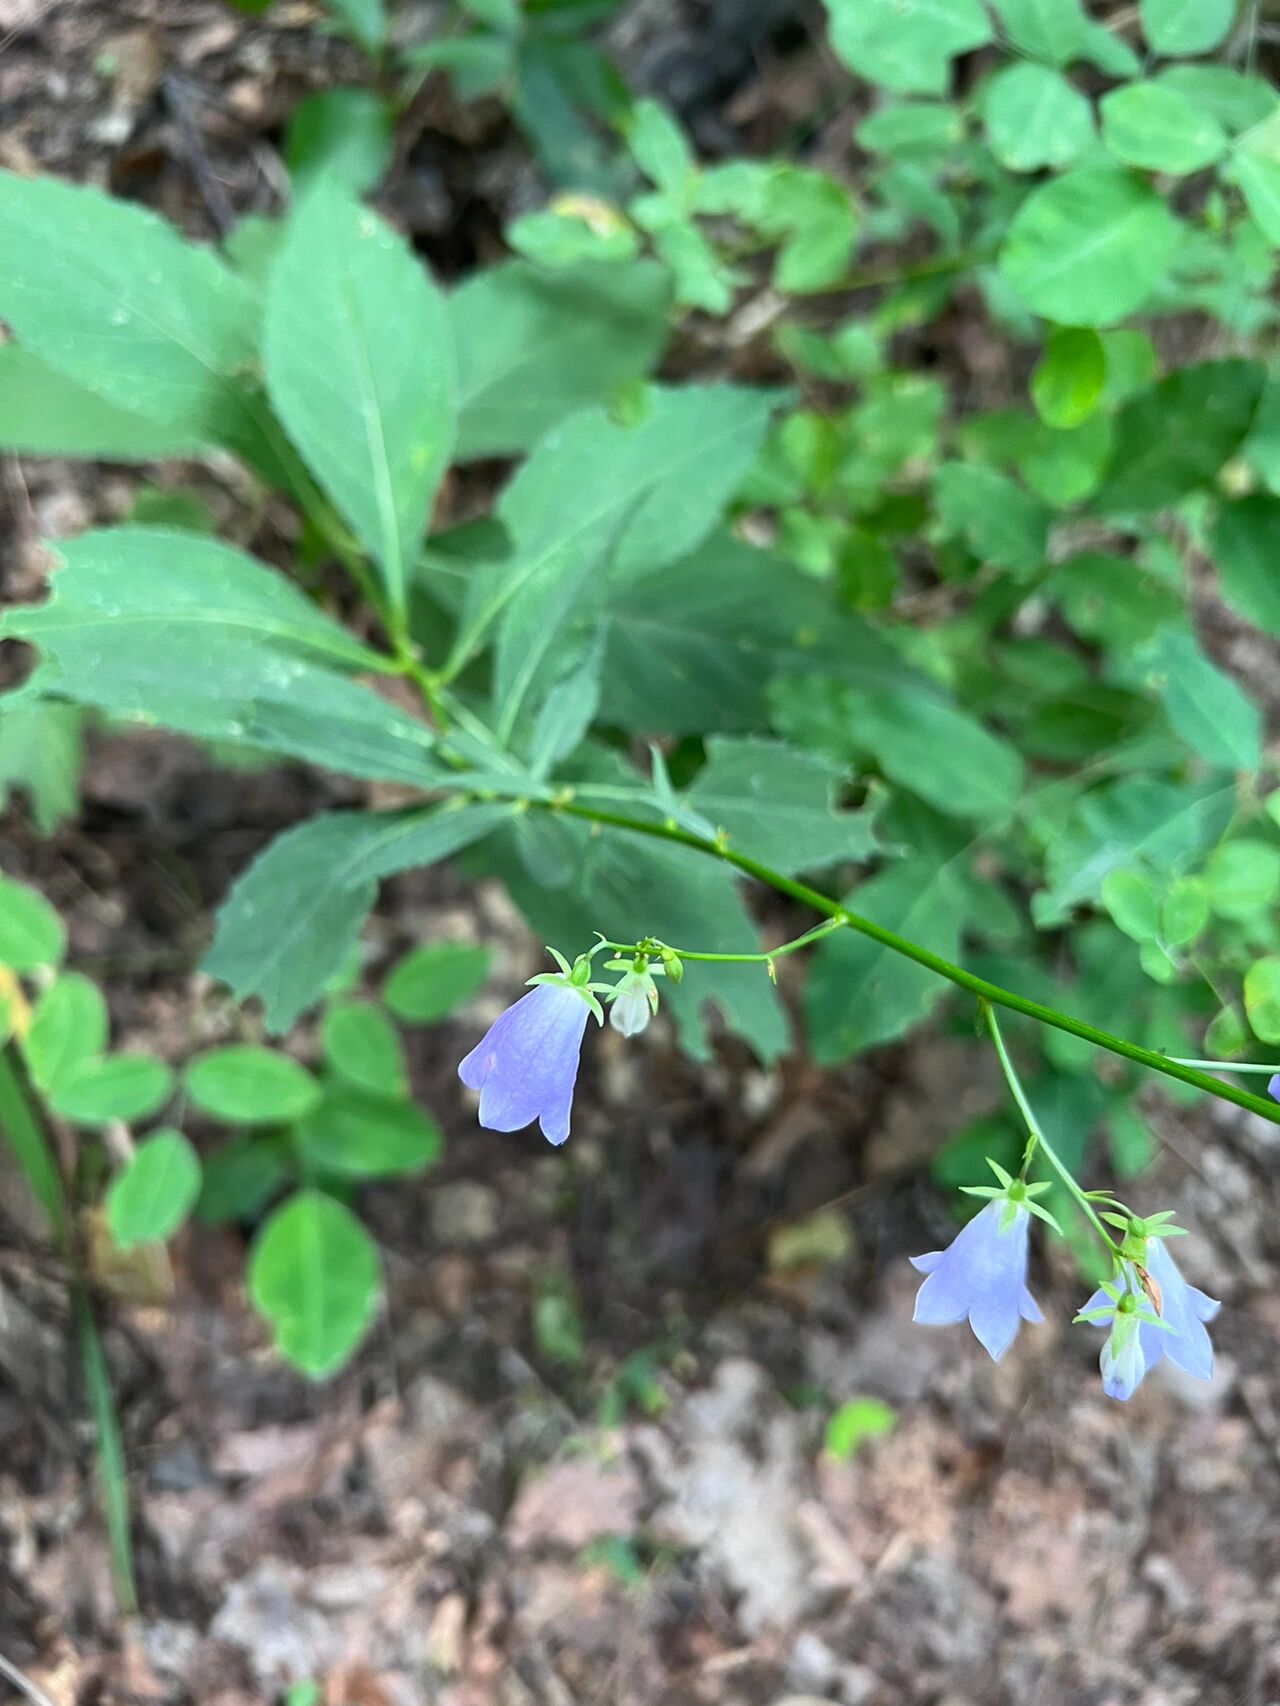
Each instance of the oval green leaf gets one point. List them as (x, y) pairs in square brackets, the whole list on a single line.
[(251, 1086), (430, 982), (31, 933), (155, 1193), (315, 1274)]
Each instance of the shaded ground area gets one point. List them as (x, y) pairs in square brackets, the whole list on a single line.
[(637, 1508)]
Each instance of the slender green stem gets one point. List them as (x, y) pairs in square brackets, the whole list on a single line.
[(814, 935), (1035, 1132), (876, 278), (1269, 1068), (957, 975), (21, 1125)]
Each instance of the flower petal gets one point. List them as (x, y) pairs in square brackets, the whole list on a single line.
[(526, 1064)]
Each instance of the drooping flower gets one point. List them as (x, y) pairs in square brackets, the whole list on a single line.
[(633, 1002), (982, 1274), (526, 1064), (1168, 1317)]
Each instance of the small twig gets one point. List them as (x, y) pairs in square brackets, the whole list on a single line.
[(23, 1684)]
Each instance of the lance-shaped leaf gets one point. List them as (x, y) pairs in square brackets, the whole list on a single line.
[(289, 922), (111, 297), (360, 370)]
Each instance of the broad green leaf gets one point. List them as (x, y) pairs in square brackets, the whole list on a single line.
[(360, 369), (290, 921), (1246, 550), (110, 1087), (642, 495), (906, 44), (242, 1176), (534, 348), (1063, 468), (1262, 998), (916, 738), (859, 993), (1035, 118), (1258, 175), (31, 933), (1066, 386), (628, 887), (1183, 27), (1205, 705), (360, 1135), (365, 19), (110, 296), (343, 137), (1055, 31), (43, 413), (693, 648), (1185, 911), (433, 981), (1088, 248), (152, 1197), (1242, 878), (1149, 124), (1002, 523), (1131, 901), (920, 132), (315, 1274), (167, 627), (247, 1085), (42, 753), (363, 1046), (1214, 403), (658, 146), (1237, 101), (777, 804), (68, 1027)]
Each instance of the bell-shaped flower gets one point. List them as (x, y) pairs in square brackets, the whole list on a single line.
[(1170, 1317), (633, 1001), (526, 1064), (1124, 1307), (982, 1274)]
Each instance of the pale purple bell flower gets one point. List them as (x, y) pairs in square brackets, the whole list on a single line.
[(982, 1275), (526, 1064), (1182, 1308)]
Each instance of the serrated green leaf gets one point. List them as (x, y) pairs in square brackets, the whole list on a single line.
[(111, 1087), (167, 627), (313, 887), (68, 1027), (359, 1135), (315, 1274), (533, 349), (1088, 248), (360, 369), (247, 1085), (1151, 125), (150, 1199), (111, 297), (363, 1046), (31, 933), (906, 44), (1035, 119), (1182, 27), (858, 993), (433, 981), (776, 803)]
